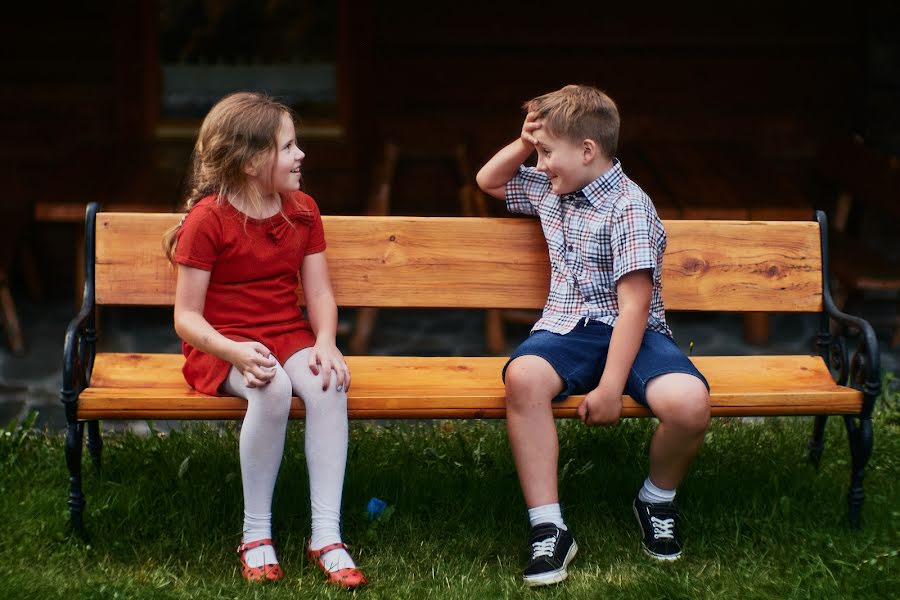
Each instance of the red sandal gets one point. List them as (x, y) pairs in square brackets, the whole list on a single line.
[(269, 572), (350, 578)]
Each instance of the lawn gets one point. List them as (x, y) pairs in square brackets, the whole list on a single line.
[(165, 514)]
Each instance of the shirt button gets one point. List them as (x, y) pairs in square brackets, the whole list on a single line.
[(571, 248)]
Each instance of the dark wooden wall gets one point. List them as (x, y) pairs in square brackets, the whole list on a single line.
[(772, 78), (779, 75), (76, 74), (776, 77), (73, 82)]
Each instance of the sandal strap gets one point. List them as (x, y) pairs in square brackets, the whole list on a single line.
[(328, 548), (254, 544)]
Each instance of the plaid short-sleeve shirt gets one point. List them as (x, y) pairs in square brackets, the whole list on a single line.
[(594, 236)]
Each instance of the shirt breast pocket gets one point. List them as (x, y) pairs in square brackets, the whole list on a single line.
[(597, 287), (596, 281)]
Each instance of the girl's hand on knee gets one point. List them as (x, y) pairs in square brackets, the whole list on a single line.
[(255, 362), (252, 381), (325, 358), (600, 407)]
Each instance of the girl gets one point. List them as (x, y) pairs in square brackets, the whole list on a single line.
[(247, 232)]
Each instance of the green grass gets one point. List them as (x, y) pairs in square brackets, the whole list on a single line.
[(165, 515)]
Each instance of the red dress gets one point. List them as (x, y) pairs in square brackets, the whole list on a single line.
[(254, 266)]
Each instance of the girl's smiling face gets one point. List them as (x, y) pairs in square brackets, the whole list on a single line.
[(288, 158)]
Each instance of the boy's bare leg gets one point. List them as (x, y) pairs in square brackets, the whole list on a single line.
[(531, 385), (681, 403)]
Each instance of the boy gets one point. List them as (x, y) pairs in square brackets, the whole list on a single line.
[(603, 330)]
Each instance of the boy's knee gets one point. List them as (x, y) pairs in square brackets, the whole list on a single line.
[(683, 403), (696, 413), (527, 376)]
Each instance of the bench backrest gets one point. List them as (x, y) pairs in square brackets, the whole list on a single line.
[(435, 262)]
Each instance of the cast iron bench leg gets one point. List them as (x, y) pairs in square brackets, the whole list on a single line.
[(95, 443), (817, 443), (74, 438), (859, 434)]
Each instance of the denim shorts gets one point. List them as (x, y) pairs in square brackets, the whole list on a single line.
[(579, 357)]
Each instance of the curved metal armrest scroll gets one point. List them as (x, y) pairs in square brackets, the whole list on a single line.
[(78, 354), (79, 344), (864, 365)]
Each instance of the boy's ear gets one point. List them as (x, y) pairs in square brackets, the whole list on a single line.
[(589, 150)]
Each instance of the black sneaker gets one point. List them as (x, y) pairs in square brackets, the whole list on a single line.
[(659, 526), (552, 549)]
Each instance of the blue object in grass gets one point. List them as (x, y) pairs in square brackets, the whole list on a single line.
[(375, 508)]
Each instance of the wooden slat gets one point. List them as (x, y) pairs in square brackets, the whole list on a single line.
[(743, 266), (150, 386), (492, 263)]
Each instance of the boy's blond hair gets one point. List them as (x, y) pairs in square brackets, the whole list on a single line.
[(578, 113)]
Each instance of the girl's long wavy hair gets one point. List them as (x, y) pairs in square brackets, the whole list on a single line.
[(240, 130)]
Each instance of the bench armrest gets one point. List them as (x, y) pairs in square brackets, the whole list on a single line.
[(865, 365), (79, 346)]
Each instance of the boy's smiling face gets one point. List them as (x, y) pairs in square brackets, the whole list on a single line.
[(567, 164)]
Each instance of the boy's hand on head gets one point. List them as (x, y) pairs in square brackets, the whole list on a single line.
[(532, 122), (601, 407), (255, 362), (324, 358)]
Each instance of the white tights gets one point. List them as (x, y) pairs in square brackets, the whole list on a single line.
[(262, 446)]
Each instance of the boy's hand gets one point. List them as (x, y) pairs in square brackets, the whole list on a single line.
[(503, 166), (601, 407), (532, 122)]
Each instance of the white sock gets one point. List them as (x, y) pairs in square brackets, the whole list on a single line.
[(326, 455), (654, 495), (258, 527), (548, 513), (261, 448)]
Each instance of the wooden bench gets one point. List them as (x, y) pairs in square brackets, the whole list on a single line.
[(478, 262)]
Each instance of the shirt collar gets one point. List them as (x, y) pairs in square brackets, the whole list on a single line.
[(598, 189)]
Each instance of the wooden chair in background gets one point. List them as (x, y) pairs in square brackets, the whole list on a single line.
[(15, 243), (381, 203), (866, 184)]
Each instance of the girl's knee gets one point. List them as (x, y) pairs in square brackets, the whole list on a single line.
[(315, 399), (280, 384), (274, 398)]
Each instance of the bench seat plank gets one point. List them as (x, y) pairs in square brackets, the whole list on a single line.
[(150, 386)]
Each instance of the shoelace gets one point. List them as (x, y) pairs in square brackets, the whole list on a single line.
[(663, 528), (544, 547)]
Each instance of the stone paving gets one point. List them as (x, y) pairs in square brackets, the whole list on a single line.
[(32, 382)]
